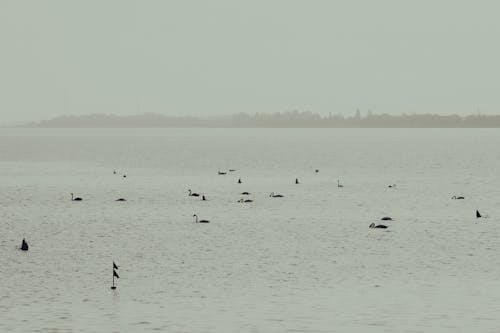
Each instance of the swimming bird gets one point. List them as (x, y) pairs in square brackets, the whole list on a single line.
[(386, 218), (222, 173), (24, 245), (272, 195), (200, 221), (338, 184), (121, 199), (124, 176), (232, 170), (245, 193), (296, 180), (478, 215), (239, 180), (114, 172), (75, 199), (191, 194), (203, 198), (391, 186), (379, 226), (317, 170), (457, 198), (246, 201)]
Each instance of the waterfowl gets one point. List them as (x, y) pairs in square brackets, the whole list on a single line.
[(245, 193), (200, 221), (239, 180), (232, 170), (24, 245), (379, 226), (457, 198), (338, 184), (316, 170), (272, 195), (391, 186), (191, 194), (75, 199), (114, 172), (121, 199), (296, 180), (124, 176), (478, 215), (222, 173), (386, 218), (245, 201), (203, 198)]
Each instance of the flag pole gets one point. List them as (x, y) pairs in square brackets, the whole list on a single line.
[(113, 270)]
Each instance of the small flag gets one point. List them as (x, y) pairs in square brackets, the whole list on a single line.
[(114, 265), (115, 274)]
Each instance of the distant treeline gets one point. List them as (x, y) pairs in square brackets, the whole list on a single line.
[(291, 119)]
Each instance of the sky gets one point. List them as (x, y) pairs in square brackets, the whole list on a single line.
[(201, 58)]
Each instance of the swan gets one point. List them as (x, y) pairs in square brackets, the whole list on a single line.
[(272, 195), (457, 198), (191, 194), (121, 199), (24, 245), (200, 221), (296, 180), (338, 184), (75, 199), (386, 218), (245, 193), (379, 226)]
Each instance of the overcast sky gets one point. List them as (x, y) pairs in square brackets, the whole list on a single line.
[(227, 56)]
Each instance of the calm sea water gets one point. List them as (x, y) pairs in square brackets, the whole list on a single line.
[(303, 263)]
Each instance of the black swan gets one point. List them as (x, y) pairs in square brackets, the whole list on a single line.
[(75, 199), (191, 194), (200, 221), (379, 226)]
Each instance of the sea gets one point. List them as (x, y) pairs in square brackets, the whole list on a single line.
[(304, 262)]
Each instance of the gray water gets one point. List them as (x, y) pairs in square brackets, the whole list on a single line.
[(303, 263)]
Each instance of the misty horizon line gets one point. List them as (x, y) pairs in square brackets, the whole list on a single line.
[(287, 119)]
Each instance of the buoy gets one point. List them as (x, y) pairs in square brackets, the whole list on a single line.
[(24, 245)]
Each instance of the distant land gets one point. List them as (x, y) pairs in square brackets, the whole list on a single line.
[(291, 119)]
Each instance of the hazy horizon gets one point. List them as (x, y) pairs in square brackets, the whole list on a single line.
[(223, 57)]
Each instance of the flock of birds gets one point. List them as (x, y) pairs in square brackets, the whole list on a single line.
[(24, 244)]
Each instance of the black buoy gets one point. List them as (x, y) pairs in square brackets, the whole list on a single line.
[(24, 245), (124, 176), (477, 214), (317, 170)]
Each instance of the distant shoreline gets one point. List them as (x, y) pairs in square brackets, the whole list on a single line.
[(293, 119)]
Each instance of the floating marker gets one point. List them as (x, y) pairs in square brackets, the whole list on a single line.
[(114, 275)]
